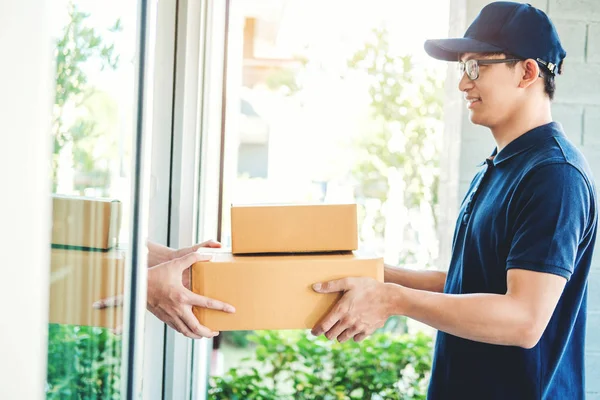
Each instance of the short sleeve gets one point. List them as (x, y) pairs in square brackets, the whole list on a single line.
[(550, 216)]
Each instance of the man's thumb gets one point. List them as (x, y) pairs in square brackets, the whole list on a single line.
[(339, 285)]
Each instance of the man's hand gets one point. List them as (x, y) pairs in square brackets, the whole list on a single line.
[(170, 298), (192, 249), (361, 310), (158, 254), (171, 301)]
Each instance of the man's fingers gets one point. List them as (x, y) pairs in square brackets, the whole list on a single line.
[(339, 285), (211, 244), (364, 333), (360, 337), (336, 330), (349, 333), (205, 302), (182, 328), (194, 326), (331, 319), (326, 324), (115, 301), (170, 325), (189, 259)]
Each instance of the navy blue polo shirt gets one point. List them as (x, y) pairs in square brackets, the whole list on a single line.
[(532, 206)]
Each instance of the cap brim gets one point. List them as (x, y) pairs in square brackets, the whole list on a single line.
[(451, 49)]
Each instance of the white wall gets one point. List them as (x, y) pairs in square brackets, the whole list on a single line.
[(26, 76)]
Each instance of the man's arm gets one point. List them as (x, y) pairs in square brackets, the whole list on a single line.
[(517, 318), (432, 281)]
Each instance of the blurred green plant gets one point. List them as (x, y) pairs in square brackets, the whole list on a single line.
[(286, 78), (404, 140), (296, 365), (83, 363), (79, 47), (238, 339)]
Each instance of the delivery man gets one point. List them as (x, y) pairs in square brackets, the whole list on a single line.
[(511, 310)]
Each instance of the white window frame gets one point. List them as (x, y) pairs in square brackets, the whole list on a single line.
[(185, 172)]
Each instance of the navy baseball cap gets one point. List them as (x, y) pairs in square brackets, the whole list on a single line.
[(514, 28)]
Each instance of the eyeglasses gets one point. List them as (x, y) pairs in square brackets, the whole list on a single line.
[(471, 67)]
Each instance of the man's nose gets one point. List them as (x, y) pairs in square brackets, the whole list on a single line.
[(465, 83)]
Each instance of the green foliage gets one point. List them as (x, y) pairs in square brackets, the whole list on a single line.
[(406, 103), (292, 365), (237, 338), (286, 79), (283, 78), (76, 50), (83, 363)]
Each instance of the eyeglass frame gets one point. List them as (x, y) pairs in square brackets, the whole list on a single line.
[(462, 65)]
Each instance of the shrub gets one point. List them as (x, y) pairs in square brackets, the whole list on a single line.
[(291, 365)]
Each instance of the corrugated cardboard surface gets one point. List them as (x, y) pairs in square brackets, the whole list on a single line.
[(78, 279), (294, 228), (274, 292), (85, 223)]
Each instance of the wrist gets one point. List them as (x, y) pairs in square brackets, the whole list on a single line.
[(395, 299)]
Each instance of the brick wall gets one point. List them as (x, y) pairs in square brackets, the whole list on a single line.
[(576, 106)]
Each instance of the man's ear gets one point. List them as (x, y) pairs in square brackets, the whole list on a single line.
[(530, 72)]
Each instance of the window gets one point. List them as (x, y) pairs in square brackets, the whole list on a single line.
[(335, 108), (93, 127)]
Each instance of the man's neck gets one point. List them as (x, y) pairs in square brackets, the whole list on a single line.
[(526, 118)]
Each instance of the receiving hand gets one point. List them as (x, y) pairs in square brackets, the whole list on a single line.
[(169, 296)]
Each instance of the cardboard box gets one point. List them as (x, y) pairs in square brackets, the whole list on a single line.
[(294, 228), (85, 223), (78, 279), (274, 291)]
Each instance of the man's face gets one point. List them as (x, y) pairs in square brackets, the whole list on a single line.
[(493, 97)]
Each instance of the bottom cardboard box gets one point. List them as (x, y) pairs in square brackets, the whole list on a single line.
[(78, 279), (274, 291)]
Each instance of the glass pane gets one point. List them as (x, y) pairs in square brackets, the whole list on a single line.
[(93, 131), (335, 107)]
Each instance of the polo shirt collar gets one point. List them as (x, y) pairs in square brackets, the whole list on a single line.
[(526, 141)]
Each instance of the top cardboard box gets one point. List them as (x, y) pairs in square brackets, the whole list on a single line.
[(294, 228), (85, 223)]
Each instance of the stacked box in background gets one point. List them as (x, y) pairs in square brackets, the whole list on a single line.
[(85, 264), (278, 253), (80, 278), (85, 223)]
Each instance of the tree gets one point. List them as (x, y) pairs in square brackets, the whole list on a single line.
[(406, 102), (78, 45)]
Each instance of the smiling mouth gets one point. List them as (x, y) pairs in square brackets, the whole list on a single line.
[(471, 102)]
